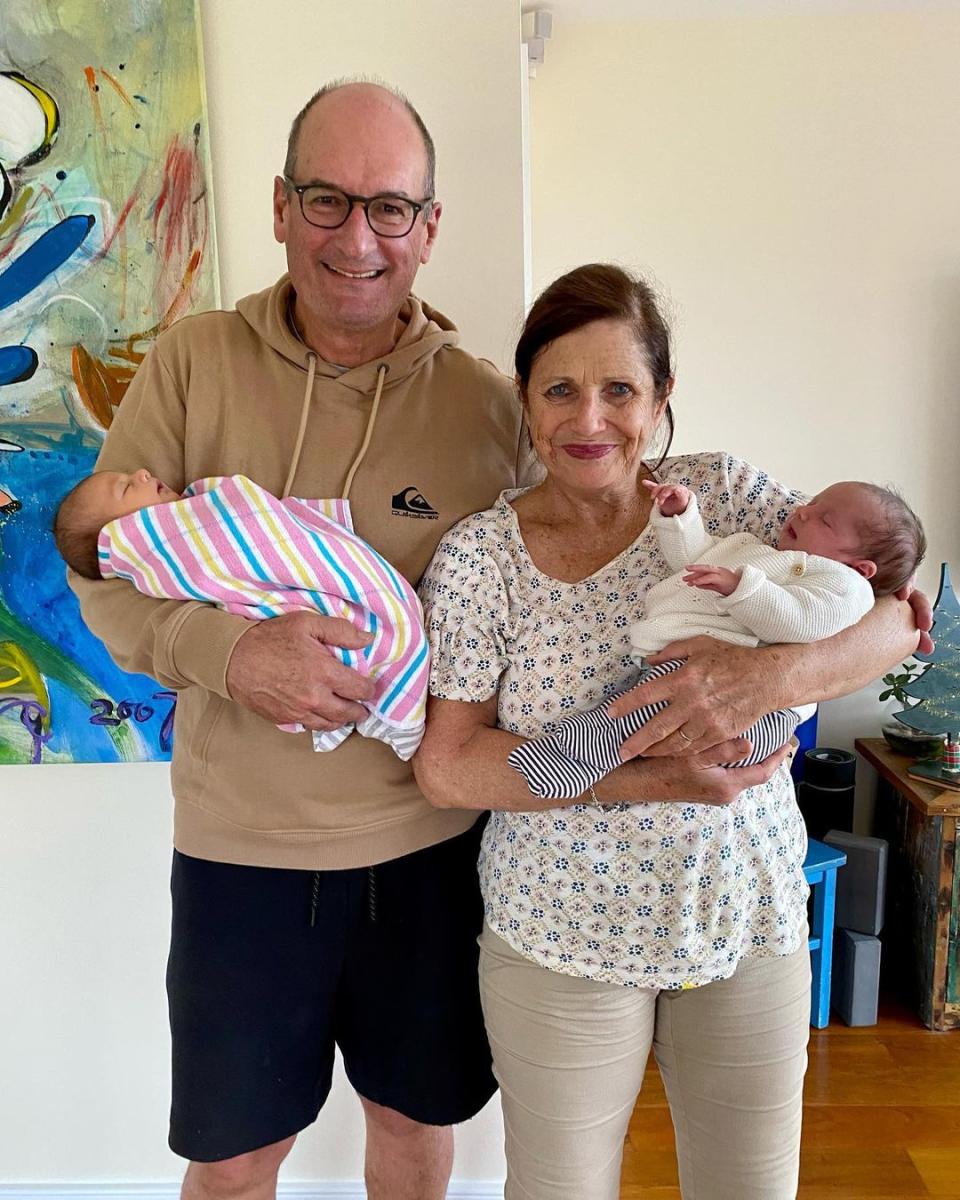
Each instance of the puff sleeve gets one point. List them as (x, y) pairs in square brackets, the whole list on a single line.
[(466, 615)]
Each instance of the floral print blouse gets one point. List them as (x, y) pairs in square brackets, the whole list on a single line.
[(660, 895)]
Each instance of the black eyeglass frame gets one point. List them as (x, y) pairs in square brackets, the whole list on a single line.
[(418, 206)]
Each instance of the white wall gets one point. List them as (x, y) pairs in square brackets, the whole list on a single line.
[(793, 184), (458, 63), (84, 851)]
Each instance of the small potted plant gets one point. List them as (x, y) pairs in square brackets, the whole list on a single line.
[(899, 737)]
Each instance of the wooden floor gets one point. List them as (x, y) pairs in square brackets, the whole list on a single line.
[(881, 1117)]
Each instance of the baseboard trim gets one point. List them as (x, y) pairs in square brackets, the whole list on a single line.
[(347, 1190)]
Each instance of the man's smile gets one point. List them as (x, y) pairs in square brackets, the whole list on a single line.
[(375, 274)]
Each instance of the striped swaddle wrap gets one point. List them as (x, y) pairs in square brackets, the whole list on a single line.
[(231, 543), (584, 747)]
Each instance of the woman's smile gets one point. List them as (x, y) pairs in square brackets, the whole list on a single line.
[(589, 449)]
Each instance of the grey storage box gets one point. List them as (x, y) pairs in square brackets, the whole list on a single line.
[(856, 977), (862, 884)]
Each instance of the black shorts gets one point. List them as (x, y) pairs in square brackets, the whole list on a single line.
[(270, 968)]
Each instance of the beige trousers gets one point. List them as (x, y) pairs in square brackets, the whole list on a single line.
[(570, 1053)]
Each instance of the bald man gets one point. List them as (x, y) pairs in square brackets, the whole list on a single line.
[(318, 900)]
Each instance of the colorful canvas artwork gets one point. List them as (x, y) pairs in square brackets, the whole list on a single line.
[(106, 238)]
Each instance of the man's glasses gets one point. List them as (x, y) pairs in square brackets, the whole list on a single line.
[(329, 208)]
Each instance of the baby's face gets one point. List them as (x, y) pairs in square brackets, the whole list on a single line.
[(830, 524), (112, 494)]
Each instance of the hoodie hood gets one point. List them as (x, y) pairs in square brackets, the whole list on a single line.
[(425, 331)]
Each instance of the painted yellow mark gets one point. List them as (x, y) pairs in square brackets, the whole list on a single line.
[(15, 212), (48, 106), (17, 667)]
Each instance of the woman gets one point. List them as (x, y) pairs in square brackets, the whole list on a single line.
[(668, 906)]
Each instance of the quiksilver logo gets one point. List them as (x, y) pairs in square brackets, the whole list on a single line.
[(411, 503)]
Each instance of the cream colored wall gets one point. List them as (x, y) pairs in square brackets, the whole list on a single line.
[(85, 850), (458, 63), (793, 183)]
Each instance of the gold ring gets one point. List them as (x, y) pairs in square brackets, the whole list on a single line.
[(688, 740)]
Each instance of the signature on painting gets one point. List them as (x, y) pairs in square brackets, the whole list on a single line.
[(106, 713)]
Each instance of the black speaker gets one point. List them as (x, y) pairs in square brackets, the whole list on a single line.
[(825, 795)]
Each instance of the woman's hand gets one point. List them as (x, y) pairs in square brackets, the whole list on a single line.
[(922, 615), (718, 692), (704, 778)]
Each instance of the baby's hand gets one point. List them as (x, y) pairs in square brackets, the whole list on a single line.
[(670, 498), (712, 579)]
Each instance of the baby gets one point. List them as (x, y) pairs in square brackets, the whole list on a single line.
[(852, 542), (229, 542)]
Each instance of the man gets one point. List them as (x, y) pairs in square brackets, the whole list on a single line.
[(317, 898)]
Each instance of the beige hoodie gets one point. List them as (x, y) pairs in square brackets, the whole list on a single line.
[(227, 393)]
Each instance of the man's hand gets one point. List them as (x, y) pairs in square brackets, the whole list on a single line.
[(922, 615), (712, 579), (671, 499), (720, 690), (703, 778), (284, 670)]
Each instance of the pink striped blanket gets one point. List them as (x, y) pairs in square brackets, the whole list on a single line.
[(231, 543)]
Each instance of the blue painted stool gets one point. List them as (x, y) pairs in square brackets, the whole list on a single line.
[(820, 871)]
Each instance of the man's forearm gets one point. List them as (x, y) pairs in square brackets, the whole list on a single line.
[(176, 642), (836, 666)]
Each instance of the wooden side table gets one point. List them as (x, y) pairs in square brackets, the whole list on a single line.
[(919, 821)]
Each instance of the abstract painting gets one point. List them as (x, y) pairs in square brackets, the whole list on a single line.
[(106, 238)]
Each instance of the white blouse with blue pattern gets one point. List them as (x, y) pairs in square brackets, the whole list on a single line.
[(660, 895)]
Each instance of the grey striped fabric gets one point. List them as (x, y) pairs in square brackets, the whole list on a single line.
[(585, 747)]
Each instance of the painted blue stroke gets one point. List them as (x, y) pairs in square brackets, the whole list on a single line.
[(47, 254), (17, 363)]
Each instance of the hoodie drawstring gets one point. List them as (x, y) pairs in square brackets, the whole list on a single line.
[(348, 482), (382, 372), (304, 413)]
